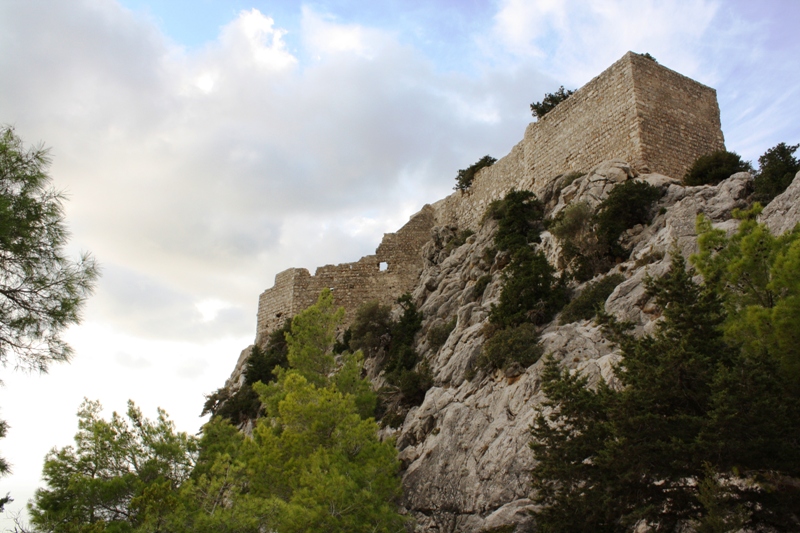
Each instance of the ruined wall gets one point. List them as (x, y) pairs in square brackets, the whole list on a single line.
[(636, 110), (353, 283)]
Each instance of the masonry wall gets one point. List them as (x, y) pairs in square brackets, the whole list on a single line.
[(678, 118), (353, 283), (636, 110)]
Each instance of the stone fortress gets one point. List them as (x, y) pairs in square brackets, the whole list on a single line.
[(656, 119)]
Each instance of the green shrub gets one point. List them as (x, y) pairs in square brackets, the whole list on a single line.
[(413, 385), (245, 404), (371, 328), (648, 56), (551, 100), (480, 286), (710, 169), (262, 363), (531, 291), (405, 330), (518, 344), (776, 170), (589, 241), (466, 176), (627, 205), (519, 215), (586, 304), (437, 335)]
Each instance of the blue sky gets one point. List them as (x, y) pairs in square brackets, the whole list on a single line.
[(207, 145)]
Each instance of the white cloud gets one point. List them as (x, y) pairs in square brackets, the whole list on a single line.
[(576, 40), (323, 36), (252, 40)]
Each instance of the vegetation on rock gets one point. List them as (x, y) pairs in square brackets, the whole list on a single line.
[(244, 404), (590, 240), (591, 299), (710, 169), (703, 430), (777, 168)]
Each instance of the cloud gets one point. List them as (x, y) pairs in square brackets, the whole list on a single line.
[(206, 171), (577, 40)]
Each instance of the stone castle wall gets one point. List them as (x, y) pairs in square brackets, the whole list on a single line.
[(636, 110), (353, 283)]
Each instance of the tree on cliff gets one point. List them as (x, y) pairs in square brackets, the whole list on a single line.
[(551, 100), (41, 290), (705, 427)]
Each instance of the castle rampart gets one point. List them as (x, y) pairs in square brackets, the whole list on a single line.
[(392, 271), (636, 110)]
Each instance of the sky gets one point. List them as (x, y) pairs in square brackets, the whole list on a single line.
[(206, 145)]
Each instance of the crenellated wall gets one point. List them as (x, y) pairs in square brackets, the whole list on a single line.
[(636, 110)]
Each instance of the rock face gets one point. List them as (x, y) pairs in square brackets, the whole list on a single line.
[(464, 451)]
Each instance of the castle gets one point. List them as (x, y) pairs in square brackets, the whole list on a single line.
[(656, 119)]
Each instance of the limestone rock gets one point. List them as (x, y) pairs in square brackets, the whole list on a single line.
[(465, 449), (783, 212)]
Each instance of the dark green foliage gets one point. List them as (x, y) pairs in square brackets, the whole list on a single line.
[(371, 328), (517, 344), (480, 286), (551, 100), (466, 176), (776, 170), (591, 298), (519, 215), (648, 56), (437, 335), (41, 290), (244, 405), (583, 253), (590, 241), (531, 291), (262, 362), (413, 385), (710, 169), (405, 330), (688, 399), (399, 365), (627, 205), (531, 294)]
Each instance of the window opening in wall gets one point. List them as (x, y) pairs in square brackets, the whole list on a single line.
[(383, 265)]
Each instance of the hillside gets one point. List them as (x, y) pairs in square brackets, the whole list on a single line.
[(465, 449)]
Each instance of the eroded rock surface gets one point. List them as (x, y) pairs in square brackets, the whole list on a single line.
[(465, 450)]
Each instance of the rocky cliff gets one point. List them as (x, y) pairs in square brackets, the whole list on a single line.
[(464, 450)]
